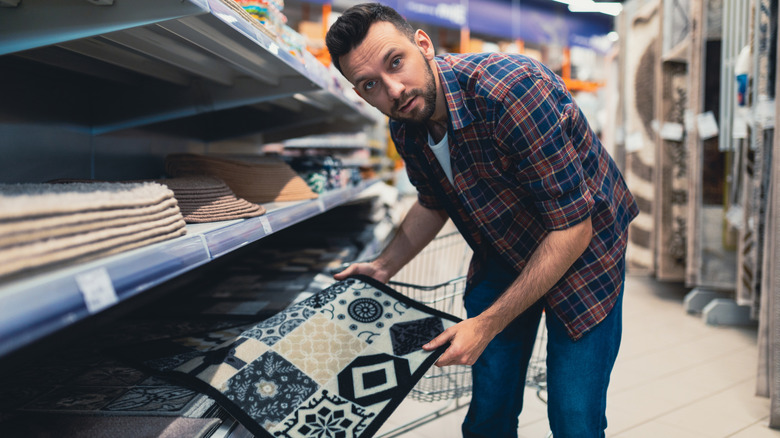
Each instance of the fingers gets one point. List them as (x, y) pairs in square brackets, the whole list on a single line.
[(367, 269), (438, 341), (466, 344), (350, 270), (449, 357)]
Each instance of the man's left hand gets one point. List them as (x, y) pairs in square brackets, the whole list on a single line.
[(468, 339)]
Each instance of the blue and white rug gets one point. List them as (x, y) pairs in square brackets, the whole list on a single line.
[(336, 364)]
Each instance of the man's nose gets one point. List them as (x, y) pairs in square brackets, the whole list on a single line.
[(395, 88)]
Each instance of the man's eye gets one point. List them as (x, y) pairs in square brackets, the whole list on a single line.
[(396, 62), (369, 85)]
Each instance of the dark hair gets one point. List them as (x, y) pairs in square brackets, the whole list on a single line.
[(351, 28)]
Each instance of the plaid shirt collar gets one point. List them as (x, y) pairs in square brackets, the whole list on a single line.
[(460, 116)]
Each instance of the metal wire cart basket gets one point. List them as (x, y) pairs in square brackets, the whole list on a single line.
[(436, 278)]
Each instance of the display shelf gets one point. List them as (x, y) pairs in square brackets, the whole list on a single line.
[(37, 306), (163, 64)]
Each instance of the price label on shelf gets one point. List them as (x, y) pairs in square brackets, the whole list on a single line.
[(273, 48), (321, 205), (97, 289), (266, 225)]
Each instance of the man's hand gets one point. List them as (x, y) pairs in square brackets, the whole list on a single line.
[(468, 339), (372, 270)]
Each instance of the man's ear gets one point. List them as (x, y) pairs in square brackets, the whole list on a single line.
[(425, 44)]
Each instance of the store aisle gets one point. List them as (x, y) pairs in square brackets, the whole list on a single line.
[(675, 377)]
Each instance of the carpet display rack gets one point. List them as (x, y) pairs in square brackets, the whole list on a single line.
[(34, 307)]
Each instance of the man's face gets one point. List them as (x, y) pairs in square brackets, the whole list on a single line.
[(392, 74)]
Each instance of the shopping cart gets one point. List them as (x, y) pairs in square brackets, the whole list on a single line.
[(537, 366)]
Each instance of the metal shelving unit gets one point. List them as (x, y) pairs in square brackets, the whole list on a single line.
[(189, 70), (40, 305), (196, 69)]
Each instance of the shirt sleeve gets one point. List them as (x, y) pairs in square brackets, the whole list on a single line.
[(424, 190), (536, 124), (418, 178)]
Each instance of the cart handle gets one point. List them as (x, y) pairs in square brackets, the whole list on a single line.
[(427, 288)]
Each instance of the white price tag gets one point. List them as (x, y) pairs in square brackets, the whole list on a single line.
[(266, 225), (273, 48), (708, 126), (97, 289), (634, 142), (739, 127), (672, 131), (321, 205)]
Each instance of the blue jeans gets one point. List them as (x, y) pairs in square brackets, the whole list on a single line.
[(577, 372)]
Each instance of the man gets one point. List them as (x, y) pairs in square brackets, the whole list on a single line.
[(496, 143)]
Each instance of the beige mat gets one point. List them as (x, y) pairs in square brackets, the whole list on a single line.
[(256, 179), (65, 229), (43, 224), (25, 225), (33, 200), (39, 256)]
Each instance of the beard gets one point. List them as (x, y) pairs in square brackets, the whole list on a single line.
[(428, 93)]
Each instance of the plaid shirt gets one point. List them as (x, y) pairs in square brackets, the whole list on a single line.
[(525, 162)]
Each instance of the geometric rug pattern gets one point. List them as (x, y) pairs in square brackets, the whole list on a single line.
[(335, 364)]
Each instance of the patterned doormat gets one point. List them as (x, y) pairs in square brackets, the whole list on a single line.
[(335, 364)]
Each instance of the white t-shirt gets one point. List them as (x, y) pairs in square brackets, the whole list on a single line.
[(442, 152)]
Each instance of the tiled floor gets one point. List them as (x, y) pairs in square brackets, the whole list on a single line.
[(675, 377)]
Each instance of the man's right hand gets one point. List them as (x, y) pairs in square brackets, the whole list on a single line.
[(369, 269)]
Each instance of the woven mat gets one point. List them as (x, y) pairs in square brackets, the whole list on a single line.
[(79, 426), (257, 179), (335, 364), (209, 199)]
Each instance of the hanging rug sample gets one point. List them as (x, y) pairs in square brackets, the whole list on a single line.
[(209, 199), (335, 364), (256, 179)]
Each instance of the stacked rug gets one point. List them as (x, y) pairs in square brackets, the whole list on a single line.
[(256, 179), (209, 199), (44, 224)]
